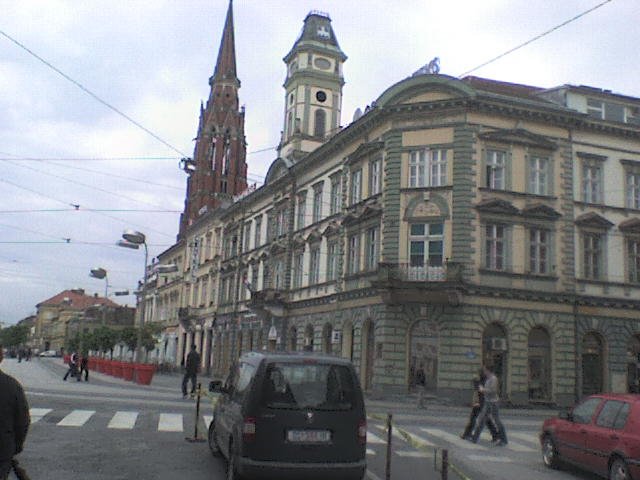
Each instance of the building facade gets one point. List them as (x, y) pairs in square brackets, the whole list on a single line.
[(455, 223)]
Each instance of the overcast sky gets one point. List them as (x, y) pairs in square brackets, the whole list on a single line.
[(152, 60)]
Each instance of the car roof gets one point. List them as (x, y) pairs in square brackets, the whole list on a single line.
[(293, 357), (629, 397)]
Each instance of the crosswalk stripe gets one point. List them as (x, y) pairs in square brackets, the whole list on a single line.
[(207, 420), (396, 434), (531, 438), (489, 458), (448, 437), (370, 452), (36, 414), (123, 420), (373, 438), (411, 454), (76, 418), (170, 422), (518, 447)]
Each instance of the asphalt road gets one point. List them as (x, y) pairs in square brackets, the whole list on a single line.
[(109, 429)]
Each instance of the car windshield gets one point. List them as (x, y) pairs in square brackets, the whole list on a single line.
[(301, 385)]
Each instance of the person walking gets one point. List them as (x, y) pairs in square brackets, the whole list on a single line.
[(14, 420), (73, 366), (84, 367), (477, 402), (489, 409), (191, 371)]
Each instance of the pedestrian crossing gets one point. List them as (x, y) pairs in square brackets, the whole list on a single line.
[(412, 441)]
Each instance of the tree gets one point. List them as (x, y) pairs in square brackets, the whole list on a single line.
[(129, 336), (106, 339), (14, 336)]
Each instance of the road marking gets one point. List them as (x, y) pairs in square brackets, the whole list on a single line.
[(487, 458), (526, 437), (123, 420), (372, 476), (207, 420), (170, 422), (373, 438), (37, 413), (370, 452), (518, 447), (449, 437), (411, 454), (77, 418)]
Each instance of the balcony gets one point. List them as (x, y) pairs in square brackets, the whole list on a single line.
[(270, 301), (403, 282)]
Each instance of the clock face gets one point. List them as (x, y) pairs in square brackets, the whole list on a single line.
[(322, 63), (321, 96)]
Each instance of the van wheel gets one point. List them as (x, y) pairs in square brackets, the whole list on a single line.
[(549, 452), (232, 464), (619, 470), (213, 444)]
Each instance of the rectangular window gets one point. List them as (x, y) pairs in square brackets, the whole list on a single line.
[(314, 265), (595, 108), (371, 258), (592, 255), (278, 275), (426, 251), (591, 182), (302, 207), (297, 269), (496, 162), (354, 254), (332, 260), (495, 247), (255, 269), (633, 260), (418, 168), (633, 190), (356, 186), (266, 276), (438, 168), (258, 240), (374, 176), (539, 241), (281, 222), (317, 203), (539, 175), (336, 195), (246, 239)]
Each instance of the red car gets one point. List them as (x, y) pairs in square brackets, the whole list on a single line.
[(600, 434)]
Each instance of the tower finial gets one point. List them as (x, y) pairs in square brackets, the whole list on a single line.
[(226, 63)]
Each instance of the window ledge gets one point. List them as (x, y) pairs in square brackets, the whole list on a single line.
[(507, 273)]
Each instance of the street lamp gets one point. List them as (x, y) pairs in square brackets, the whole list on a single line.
[(101, 273), (133, 239)]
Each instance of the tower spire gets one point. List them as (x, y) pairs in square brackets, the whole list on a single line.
[(226, 64)]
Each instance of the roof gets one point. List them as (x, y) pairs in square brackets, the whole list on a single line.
[(504, 88), (77, 300)]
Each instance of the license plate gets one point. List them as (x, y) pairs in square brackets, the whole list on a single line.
[(309, 436)]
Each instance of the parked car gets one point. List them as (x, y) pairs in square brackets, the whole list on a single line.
[(600, 434), (290, 416), (49, 353)]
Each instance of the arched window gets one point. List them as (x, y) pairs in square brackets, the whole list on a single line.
[(319, 123)]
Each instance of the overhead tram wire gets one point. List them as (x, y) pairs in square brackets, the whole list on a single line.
[(91, 94), (537, 37), (82, 209)]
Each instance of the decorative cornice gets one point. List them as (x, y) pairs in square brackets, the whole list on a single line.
[(518, 136), (497, 206), (593, 220)]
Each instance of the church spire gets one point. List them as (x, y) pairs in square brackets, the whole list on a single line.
[(225, 70)]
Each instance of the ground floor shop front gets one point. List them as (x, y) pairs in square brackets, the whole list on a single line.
[(542, 353)]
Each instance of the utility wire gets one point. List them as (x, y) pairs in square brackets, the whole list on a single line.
[(537, 37), (82, 209), (91, 94)]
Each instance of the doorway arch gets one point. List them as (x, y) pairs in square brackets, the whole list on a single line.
[(494, 353), (308, 338), (539, 365), (423, 355), (326, 338), (592, 363), (347, 340)]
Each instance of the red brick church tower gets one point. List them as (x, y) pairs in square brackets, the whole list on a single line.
[(218, 170)]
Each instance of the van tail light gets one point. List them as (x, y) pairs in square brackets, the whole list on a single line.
[(362, 432), (249, 429)]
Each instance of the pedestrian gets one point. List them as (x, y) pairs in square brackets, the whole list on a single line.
[(477, 402), (14, 420), (489, 409), (73, 366), (84, 367), (191, 371)]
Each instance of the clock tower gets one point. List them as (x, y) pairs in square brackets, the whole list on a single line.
[(313, 88), (218, 170)]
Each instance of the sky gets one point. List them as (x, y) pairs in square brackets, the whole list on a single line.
[(74, 174)]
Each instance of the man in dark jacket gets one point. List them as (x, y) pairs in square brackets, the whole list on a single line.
[(14, 420), (191, 371)]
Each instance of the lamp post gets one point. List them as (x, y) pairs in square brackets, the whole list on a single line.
[(133, 239)]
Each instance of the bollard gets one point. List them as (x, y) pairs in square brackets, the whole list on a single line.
[(195, 432), (387, 471), (445, 464)]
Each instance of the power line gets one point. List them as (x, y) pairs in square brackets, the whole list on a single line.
[(82, 209), (537, 37), (91, 94)]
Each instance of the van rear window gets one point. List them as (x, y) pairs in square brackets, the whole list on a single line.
[(308, 385)]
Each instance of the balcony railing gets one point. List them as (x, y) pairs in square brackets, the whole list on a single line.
[(449, 272)]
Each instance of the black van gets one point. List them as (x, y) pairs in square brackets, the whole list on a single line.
[(290, 416)]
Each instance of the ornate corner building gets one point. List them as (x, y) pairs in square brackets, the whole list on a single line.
[(454, 222)]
